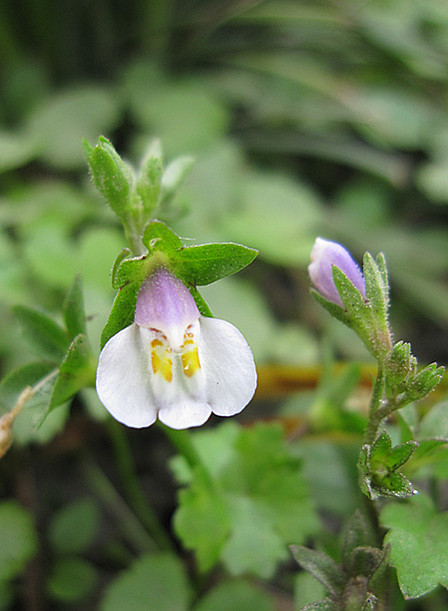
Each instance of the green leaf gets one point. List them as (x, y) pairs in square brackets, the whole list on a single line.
[(74, 527), (46, 336), (253, 545), (434, 424), (257, 490), (112, 176), (203, 521), (418, 537), (71, 579), (60, 123), (322, 567), (18, 539), (73, 310), (76, 371), (206, 263), (235, 594), (155, 581)]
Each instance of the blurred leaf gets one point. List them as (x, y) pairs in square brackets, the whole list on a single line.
[(434, 424), (253, 546), (16, 150), (236, 594), (261, 496), (306, 590), (418, 537), (322, 567), (98, 244), (18, 539), (51, 253), (17, 380), (46, 336), (77, 371), (288, 237), (184, 113), (74, 527), (71, 579), (73, 310), (154, 581), (203, 511), (60, 124)]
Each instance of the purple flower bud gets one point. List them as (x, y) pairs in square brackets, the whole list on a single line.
[(324, 256)]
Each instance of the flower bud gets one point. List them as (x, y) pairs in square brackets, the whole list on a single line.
[(324, 256)]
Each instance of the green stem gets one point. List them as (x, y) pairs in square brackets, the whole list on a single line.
[(181, 440), (377, 411), (130, 483), (132, 528)]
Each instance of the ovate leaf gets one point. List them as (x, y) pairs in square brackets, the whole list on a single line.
[(18, 539), (418, 537), (46, 336), (155, 581)]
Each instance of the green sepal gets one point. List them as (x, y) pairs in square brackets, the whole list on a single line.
[(112, 176), (124, 254), (194, 265), (159, 237), (423, 382), (400, 364), (201, 303), (322, 567), (73, 310), (381, 448), (332, 308), (401, 454), (42, 332), (377, 289), (77, 371), (378, 468), (351, 297), (122, 313)]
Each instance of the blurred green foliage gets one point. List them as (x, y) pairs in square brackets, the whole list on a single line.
[(305, 118)]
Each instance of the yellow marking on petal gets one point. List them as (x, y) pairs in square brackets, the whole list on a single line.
[(190, 361), (160, 360)]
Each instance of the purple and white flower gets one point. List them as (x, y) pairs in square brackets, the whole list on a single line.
[(172, 363), (324, 256)]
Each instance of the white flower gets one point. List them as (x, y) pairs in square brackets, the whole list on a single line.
[(173, 363)]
